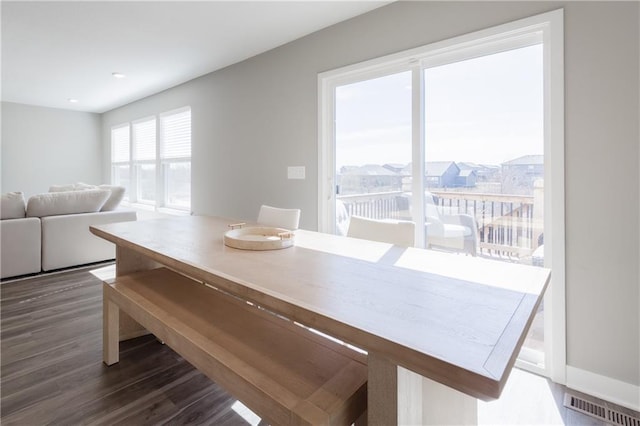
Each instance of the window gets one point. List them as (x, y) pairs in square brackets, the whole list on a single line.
[(151, 157)]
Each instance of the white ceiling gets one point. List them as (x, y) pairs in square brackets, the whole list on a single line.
[(53, 51)]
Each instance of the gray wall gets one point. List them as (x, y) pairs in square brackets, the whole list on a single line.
[(253, 119), (46, 146)]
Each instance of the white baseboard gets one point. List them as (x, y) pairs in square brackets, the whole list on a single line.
[(606, 388)]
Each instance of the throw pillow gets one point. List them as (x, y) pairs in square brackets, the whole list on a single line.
[(71, 187), (116, 197), (12, 205), (62, 188), (81, 186), (69, 202)]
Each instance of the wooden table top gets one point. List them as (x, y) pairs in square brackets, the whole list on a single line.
[(456, 319)]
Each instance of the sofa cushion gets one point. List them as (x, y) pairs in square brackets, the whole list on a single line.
[(80, 186), (69, 202), (112, 203), (62, 188), (115, 198), (12, 205)]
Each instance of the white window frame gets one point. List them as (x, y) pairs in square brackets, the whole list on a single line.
[(161, 203), (548, 28)]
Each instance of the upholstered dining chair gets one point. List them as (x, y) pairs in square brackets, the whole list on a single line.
[(398, 232), (458, 232), (280, 218)]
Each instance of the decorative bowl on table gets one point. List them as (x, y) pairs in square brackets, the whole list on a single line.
[(258, 237)]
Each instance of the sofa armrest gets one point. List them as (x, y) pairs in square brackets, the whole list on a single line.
[(20, 246)]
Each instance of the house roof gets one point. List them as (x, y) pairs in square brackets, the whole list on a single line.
[(525, 160), (438, 168), (467, 172), (367, 170)]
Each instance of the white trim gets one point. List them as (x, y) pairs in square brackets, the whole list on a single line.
[(555, 317), (325, 155), (606, 388), (418, 153), (515, 30)]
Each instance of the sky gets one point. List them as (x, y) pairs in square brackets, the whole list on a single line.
[(485, 110)]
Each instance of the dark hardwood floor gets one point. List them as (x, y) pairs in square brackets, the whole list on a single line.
[(51, 370)]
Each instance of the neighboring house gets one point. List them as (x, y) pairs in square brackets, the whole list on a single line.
[(368, 178), (441, 174), (484, 172), (395, 167), (519, 174), (467, 178)]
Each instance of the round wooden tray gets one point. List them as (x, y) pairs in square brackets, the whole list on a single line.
[(259, 238)]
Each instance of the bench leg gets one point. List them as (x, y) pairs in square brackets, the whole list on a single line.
[(110, 331)]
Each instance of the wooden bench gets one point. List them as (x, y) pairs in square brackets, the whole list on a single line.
[(283, 372)]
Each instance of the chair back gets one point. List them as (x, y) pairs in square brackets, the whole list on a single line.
[(398, 232), (430, 207), (280, 218)]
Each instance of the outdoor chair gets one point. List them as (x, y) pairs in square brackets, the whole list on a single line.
[(398, 232), (458, 232)]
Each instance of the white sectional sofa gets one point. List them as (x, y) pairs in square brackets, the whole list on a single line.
[(51, 231)]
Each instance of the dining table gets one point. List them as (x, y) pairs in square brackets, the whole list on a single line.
[(441, 330)]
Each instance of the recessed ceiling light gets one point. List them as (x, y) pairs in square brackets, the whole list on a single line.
[(73, 101), (118, 75)]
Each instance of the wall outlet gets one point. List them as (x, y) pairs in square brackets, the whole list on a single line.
[(295, 172)]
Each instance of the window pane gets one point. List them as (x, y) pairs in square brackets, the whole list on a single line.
[(373, 149), (144, 140), (121, 176), (146, 183), (120, 144), (178, 189), (484, 133), (484, 155), (176, 135)]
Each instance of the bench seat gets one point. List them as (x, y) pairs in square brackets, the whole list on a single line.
[(285, 373)]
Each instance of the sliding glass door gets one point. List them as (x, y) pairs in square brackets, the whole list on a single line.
[(456, 140)]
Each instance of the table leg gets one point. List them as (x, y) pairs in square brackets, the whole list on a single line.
[(382, 385), (394, 393), (442, 405), (397, 396), (128, 261)]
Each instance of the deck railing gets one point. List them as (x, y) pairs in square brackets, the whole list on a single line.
[(508, 225), (375, 205)]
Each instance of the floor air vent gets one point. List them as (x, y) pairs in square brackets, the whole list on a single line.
[(599, 411)]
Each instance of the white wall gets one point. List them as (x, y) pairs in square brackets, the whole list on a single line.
[(253, 119), (46, 146)]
